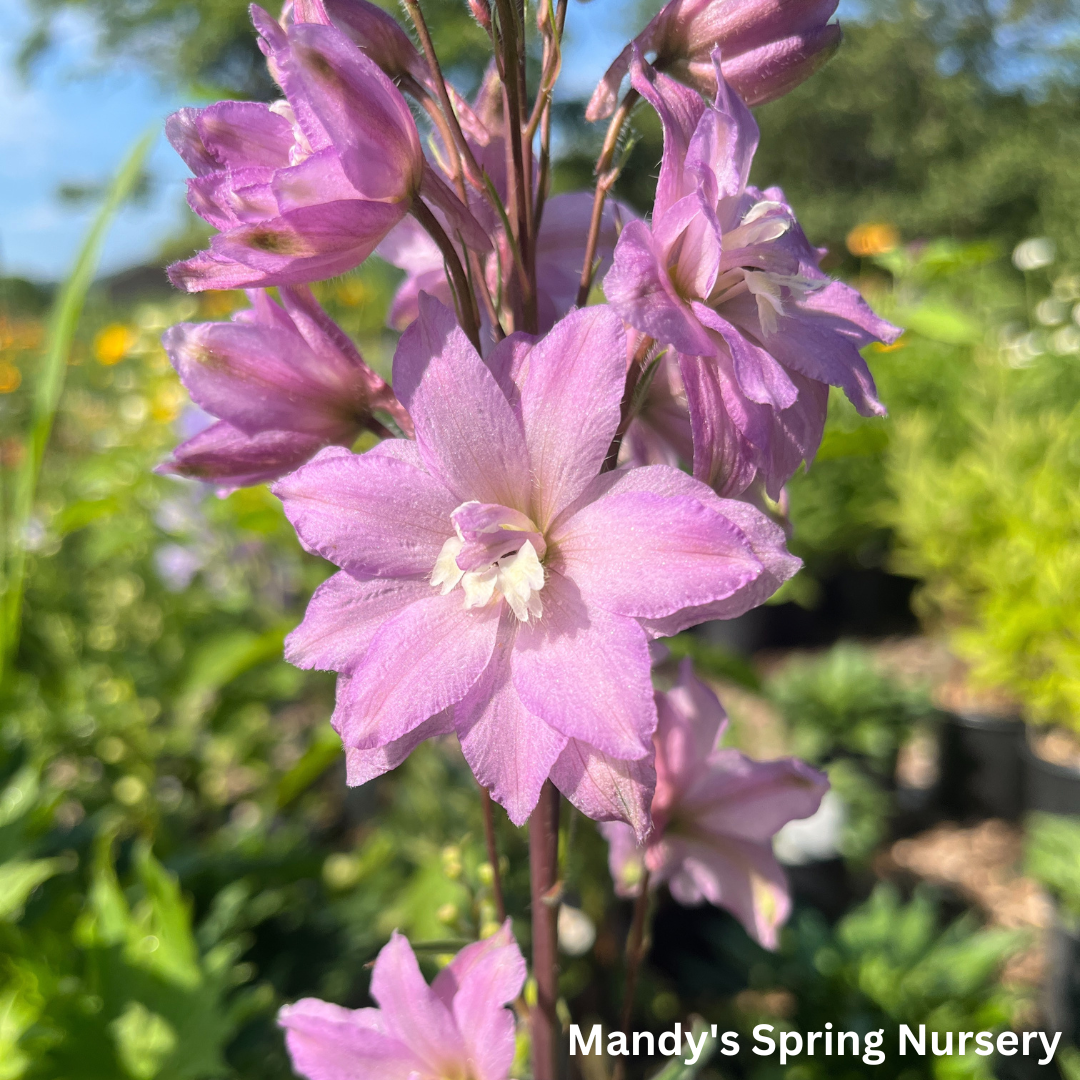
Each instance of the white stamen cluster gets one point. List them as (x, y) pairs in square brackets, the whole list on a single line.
[(517, 577), (761, 225)]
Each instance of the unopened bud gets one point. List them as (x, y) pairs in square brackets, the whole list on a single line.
[(767, 47)]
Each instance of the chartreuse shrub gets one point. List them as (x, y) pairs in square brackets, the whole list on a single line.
[(993, 531)]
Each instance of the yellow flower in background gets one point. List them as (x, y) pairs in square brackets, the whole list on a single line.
[(872, 239), (899, 343), (113, 343), (10, 377), (219, 303), (352, 292)]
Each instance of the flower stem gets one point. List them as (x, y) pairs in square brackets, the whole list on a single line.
[(472, 170), (467, 313), (605, 179), (634, 950), (633, 377), (519, 182), (493, 853), (543, 866)]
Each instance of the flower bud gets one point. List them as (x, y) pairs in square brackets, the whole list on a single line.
[(768, 47)]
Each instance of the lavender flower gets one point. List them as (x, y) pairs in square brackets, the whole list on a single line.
[(456, 1027), (284, 381), (495, 584), (769, 47), (714, 815), (307, 187), (725, 275)]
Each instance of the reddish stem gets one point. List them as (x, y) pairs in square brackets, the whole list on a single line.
[(544, 868), (605, 179)]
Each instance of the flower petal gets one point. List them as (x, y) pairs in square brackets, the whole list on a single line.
[(299, 246), (650, 555), (261, 378), (344, 615), (412, 1011), (478, 983), (509, 750), (691, 720), (327, 1042), (423, 660), (586, 672), (606, 789), (753, 800), (724, 458), (371, 514), (363, 112), (364, 765), (570, 405), (465, 428), (740, 876), (766, 538), (640, 290), (225, 456)]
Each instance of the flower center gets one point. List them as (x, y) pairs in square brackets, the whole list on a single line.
[(494, 553)]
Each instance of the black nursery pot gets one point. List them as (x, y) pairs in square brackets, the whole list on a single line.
[(1061, 988), (982, 767), (1054, 789)]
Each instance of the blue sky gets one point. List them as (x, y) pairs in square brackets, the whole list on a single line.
[(60, 128), (63, 127)]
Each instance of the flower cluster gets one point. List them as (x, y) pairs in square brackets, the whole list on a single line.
[(523, 531)]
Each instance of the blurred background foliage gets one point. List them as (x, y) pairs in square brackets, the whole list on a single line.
[(179, 854)]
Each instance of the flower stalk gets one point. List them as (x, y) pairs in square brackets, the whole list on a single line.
[(543, 865)]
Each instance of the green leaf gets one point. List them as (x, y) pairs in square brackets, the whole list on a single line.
[(20, 877), (143, 1040), (226, 656), (159, 935), (941, 322)]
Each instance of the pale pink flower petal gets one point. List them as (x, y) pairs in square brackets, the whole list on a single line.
[(422, 660), (371, 514), (344, 615), (478, 452), (585, 672)]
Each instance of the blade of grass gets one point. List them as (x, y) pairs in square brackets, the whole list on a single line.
[(63, 322)]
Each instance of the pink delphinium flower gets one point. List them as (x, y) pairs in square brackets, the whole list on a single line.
[(769, 47), (714, 815), (494, 584), (307, 187), (283, 380), (725, 275), (457, 1027)]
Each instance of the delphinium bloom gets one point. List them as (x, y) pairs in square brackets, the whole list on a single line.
[(284, 381), (496, 584), (457, 1027), (724, 274), (304, 188), (714, 813), (769, 47)]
